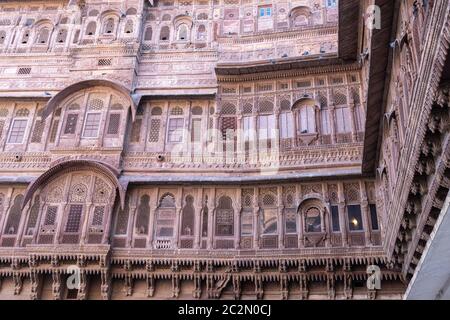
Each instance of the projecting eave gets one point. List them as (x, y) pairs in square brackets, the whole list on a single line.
[(345, 173), (275, 65), (349, 24), (379, 78)]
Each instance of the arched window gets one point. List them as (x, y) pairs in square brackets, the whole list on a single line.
[(201, 32), (62, 35), (129, 26), (148, 35), (155, 124), (182, 32), (165, 222), (307, 119), (2, 37), (225, 217), (143, 215), (188, 218), (131, 12), (167, 201), (165, 33), (91, 28), (300, 16), (313, 220), (12, 224), (43, 36), (108, 26), (269, 214)]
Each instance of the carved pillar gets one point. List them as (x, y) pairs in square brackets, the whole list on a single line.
[(108, 219), (60, 225), (342, 218), (280, 217), (105, 284), (211, 231), (130, 228), (56, 285), (85, 224), (176, 229), (197, 225), (42, 210), (332, 113), (237, 224), (366, 220), (256, 227), (36, 282), (23, 220), (352, 107), (301, 229), (295, 120)]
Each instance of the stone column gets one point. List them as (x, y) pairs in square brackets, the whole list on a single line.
[(22, 222), (60, 226), (301, 229), (85, 224), (151, 228), (131, 221), (176, 229), (237, 224), (351, 105), (280, 220), (211, 214), (366, 220), (256, 227), (41, 213), (108, 219), (332, 112), (197, 225)]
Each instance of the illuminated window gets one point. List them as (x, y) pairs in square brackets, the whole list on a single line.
[(354, 218)]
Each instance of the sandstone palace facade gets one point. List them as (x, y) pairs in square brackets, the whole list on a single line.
[(223, 149)]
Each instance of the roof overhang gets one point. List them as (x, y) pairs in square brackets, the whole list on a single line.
[(379, 79)]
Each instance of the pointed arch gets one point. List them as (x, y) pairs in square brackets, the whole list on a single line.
[(104, 168), (55, 101)]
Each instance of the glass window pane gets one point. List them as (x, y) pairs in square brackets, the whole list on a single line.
[(335, 218), (373, 216), (17, 131), (354, 218), (92, 125), (175, 133)]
